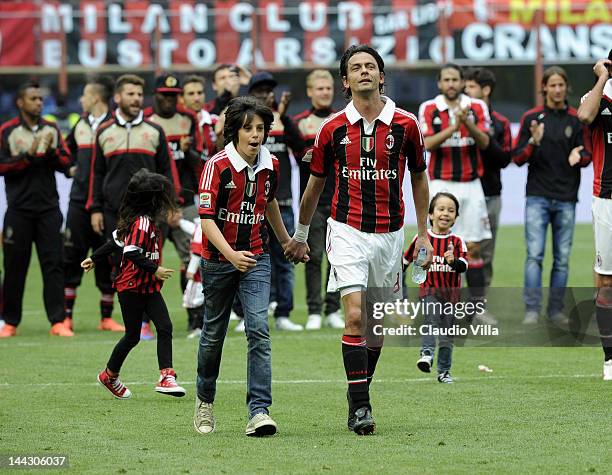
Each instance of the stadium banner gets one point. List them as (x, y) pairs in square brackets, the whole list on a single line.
[(292, 34)]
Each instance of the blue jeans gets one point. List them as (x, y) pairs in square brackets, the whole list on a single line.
[(221, 282), (539, 212), (445, 343), (282, 269)]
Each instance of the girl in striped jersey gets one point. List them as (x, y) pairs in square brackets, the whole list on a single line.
[(148, 200), (443, 282)]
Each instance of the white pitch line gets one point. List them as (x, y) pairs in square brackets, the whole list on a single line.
[(315, 381)]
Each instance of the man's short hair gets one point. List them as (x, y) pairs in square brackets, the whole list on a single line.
[(353, 50), (103, 86), (450, 66), (128, 79), (481, 76), (241, 111), (318, 74), (194, 78), (221, 67), (31, 84)]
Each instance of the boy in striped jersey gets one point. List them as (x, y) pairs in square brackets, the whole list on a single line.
[(443, 282)]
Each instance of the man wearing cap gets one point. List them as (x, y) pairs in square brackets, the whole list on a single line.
[(284, 135), (185, 143)]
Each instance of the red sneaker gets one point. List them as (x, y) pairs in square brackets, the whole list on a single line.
[(59, 329), (114, 385), (145, 332), (108, 324), (8, 331), (167, 384)]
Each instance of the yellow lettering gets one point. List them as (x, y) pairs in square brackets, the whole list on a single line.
[(597, 11), (522, 11), (550, 15), (567, 17)]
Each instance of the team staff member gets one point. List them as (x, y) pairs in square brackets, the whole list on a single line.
[(551, 140), (320, 90), (596, 110), (193, 98), (369, 144), (31, 150), (79, 236)]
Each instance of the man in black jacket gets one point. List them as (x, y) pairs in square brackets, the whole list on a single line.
[(551, 140), (31, 150)]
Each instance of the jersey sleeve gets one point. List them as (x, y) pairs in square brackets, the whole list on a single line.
[(209, 188), (461, 250), (425, 119), (274, 178), (483, 119), (136, 237), (414, 147), (322, 152)]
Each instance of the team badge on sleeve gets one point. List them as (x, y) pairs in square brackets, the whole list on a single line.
[(205, 200)]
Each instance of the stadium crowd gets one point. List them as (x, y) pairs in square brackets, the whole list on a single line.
[(184, 138)]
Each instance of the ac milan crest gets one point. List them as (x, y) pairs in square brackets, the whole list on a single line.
[(367, 143), (389, 141), (250, 188)]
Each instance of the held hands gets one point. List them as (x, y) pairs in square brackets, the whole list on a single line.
[(88, 264), (296, 252), (162, 273), (242, 260), (537, 132), (449, 255), (574, 156)]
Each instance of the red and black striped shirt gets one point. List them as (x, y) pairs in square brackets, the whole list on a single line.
[(458, 157), (369, 165), (236, 196), (440, 274), (144, 237), (601, 140)]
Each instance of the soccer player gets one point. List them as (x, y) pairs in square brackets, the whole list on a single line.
[(79, 236), (480, 84), (31, 150), (284, 136), (551, 141), (237, 190), (596, 110), (456, 130), (320, 90), (443, 282), (369, 144)]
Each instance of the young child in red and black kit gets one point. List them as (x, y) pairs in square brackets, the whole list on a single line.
[(148, 200), (443, 282)]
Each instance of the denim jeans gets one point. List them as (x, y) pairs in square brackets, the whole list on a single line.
[(282, 269), (539, 212), (445, 343), (221, 282)]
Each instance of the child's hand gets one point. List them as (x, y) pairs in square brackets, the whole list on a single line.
[(88, 264), (242, 260), (162, 273), (449, 255)]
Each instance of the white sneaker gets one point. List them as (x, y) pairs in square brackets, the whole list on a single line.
[(195, 333), (314, 322), (607, 371), (271, 308), (203, 418), (559, 319), (261, 425), (424, 363), (485, 318), (240, 326), (334, 320), (234, 316), (531, 318), (283, 323)]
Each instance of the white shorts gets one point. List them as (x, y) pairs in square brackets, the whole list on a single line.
[(602, 228), (473, 221), (364, 260)]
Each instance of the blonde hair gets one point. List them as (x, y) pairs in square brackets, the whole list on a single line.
[(318, 74)]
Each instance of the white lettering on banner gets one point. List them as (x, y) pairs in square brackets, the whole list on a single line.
[(469, 41), (245, 55), (240, 218), (155, 17), (390, 23), (287, 52), (384, 45), (99, 55), (56, 18), (52, 53), (90, 18), (129, 54), (312, 21), (193, 18), (323, 51), (350, 16), (573, 42), (201, 53), (115, 22), (275, 23), (240, 17), (601, 36), (166, 47), (435, 49)]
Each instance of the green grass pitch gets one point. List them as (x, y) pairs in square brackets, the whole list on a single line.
[(542, 410)]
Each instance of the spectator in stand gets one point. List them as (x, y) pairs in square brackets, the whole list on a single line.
[(31, 150), (480, 84), (320, 90), (79, 236), (284, 136), (551, 141)]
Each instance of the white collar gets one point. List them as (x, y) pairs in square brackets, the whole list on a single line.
[(204, 117), (608, 88), (94, 122), (464, 102), (441, 236), (239, 163), (386, 114), (123, 122)]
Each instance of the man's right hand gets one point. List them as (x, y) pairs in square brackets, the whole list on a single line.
[(97, 223), (296, 251), (537, 131)]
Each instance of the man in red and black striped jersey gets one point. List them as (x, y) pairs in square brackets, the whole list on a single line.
[(31, 150), (551, 140), (369, 145), (480, 84), (456, 130), (79, 236), (320, 90), (596, 110)]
